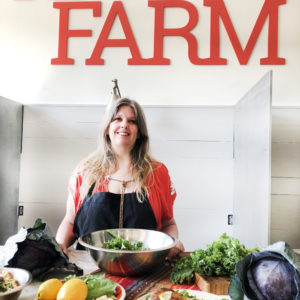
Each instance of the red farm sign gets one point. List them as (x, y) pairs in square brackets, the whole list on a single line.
[(218, 14)]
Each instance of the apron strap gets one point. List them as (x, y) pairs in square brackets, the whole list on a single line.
[(91, 189)]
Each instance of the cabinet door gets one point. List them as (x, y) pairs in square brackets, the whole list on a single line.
[(10, 149), (252, 165)]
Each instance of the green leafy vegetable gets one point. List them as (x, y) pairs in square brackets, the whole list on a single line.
[(118, 243), (219, 259), (183, 270), (36, 250), (97, 286), (235, 289)]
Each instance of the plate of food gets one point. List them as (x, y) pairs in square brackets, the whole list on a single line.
[(12, 282), (89, 287), (169, 294)]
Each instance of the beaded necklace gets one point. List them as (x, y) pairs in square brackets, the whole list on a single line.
[(123, 187)]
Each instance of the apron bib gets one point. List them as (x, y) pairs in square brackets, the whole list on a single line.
[(101, 211)]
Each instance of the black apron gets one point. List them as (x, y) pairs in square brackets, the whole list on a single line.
[(101, 211)]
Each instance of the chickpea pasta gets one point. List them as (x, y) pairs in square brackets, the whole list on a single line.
[(7, 281)]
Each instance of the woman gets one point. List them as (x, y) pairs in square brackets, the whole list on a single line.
[(120, 184)]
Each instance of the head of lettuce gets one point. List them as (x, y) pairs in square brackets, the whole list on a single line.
[(271, 274)]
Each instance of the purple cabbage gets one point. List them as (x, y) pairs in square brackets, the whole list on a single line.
[(270, 274)]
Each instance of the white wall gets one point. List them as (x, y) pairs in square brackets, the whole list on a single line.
[(195, 143), (28, 41), (57, 137)]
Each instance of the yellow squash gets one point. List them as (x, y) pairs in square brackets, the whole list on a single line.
[(48, 290), (73, 289)]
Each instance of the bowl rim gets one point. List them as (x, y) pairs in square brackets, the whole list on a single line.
[(91, 247), (20, 287)]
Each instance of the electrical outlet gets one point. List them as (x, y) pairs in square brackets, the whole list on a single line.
[(20, 210), (230, 219)]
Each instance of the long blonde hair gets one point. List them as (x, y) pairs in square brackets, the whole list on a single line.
[(101, 162)]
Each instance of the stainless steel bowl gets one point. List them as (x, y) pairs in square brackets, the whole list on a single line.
[(23, 277), (124, 262)]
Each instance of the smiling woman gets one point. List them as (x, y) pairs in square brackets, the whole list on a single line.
[(120, 184)]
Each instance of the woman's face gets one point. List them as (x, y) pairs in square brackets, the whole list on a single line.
[(123, 129)]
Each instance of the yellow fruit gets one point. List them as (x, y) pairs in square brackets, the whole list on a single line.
[(48, 290), (73, 289)]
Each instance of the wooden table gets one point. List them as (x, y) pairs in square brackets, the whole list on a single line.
[(135, 287), (82, 260)]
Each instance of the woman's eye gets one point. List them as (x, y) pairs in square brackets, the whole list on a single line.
[(117, 119), (132, 121)]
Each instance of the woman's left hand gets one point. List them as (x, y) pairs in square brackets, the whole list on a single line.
[(175, 251)]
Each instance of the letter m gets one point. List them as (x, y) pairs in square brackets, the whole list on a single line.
[(269, 9)]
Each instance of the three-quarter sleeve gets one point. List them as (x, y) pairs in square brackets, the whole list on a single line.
[(74, 185), (161, 194)]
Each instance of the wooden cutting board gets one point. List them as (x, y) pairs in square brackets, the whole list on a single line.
[(214, 285)]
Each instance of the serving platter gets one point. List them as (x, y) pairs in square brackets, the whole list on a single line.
[(198, 294)]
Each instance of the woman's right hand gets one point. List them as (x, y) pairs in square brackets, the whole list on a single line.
[(64, 249), (175, 251)]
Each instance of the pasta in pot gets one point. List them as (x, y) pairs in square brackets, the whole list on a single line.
[(7, 281)]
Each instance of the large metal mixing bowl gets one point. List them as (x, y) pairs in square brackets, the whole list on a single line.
[(125, 262)]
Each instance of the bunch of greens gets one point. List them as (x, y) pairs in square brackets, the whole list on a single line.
[(269, 274), (118, 243), (219, 259), (97, 286), (36, 250)]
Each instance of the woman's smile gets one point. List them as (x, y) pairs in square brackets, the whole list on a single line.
[(123, 133)]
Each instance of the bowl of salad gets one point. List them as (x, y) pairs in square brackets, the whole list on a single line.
[(12, 282), (128, 251)]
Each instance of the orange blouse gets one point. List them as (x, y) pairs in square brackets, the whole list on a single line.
[(161, 193)]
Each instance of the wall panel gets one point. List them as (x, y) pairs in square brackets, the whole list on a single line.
[(252, 165), (194, 142), (285, 211)]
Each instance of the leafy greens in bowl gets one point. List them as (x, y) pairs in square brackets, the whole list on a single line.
[(272, 273), (156, 246), (119, 243)]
